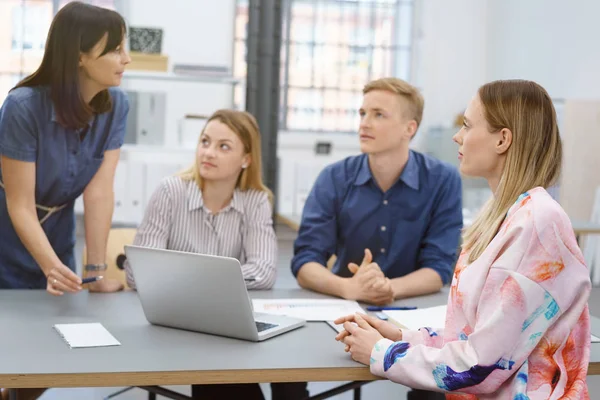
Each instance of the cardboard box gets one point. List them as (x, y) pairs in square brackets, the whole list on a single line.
[(148, 62)]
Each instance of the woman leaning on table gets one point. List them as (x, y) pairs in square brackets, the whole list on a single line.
[(517, 325), (60, 133)]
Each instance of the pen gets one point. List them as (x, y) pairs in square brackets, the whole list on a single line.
[(377, 308), (90, 280)]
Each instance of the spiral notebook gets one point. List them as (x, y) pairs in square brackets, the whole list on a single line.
[(86, 335)]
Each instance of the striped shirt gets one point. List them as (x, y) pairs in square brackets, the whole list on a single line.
[(176, 219)]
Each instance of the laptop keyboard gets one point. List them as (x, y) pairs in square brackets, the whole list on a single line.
[(263, 326)]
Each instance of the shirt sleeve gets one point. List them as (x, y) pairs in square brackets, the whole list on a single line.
[(431, 337), (18, 133), (516, 309), (317, 235), (117, 134), (260, 245), (155, 226), (441, 241)]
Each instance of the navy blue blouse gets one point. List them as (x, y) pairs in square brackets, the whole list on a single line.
[(66, 161)]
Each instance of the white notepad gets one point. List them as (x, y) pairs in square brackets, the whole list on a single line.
[(86, 335)]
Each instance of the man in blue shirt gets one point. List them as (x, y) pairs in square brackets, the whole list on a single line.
[(393, 210)]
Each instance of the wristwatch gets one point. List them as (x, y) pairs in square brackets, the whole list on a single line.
[(95, 267)]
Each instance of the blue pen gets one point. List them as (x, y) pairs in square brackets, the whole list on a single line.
[(377, 308), (90, 280)]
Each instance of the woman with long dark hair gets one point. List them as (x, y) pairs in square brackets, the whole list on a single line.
[(60, 133), (61, 129)]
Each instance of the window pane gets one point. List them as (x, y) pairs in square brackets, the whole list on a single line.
[(23, 29), (333, 49)]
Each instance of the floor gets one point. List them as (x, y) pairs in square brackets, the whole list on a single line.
[(381, 390)]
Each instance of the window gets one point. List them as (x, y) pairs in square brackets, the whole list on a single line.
[(330, 49), (31, 22), (24, 26)]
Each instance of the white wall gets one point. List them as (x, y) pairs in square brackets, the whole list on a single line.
[(450, 50), (462, 44), (553, 42), (194, 32)]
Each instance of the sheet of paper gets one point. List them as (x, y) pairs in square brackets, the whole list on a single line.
[(308, 309), (86, 335), (337, 328), (432, 317)]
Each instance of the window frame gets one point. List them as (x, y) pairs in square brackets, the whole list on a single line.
[(398, 52)]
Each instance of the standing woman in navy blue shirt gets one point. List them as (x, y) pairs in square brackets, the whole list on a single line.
[(61, 129)]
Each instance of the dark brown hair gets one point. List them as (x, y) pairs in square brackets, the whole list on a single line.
[(76, 29)]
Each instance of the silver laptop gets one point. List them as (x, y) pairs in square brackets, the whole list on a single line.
[(200, 293)]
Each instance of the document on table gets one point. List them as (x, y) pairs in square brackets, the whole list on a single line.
[(308, 309), (433, 317), (86, 335)]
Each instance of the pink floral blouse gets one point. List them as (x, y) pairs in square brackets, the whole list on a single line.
[(517, 325)]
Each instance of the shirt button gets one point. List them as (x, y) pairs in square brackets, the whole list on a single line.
[(385, 202), (383, 228), (383, 250)]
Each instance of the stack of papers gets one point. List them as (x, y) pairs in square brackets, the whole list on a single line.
[(308, 309)]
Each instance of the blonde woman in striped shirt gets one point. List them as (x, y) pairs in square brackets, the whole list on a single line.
[(219, 205)]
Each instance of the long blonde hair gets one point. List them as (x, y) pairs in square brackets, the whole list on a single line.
[(244, 125), (533, 159)]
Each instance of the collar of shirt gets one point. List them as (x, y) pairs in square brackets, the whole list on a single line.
[(196, 202), (409, 175)]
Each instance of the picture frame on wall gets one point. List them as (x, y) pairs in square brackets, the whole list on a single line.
[(145, 40)]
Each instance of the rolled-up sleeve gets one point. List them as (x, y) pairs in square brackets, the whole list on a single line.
[(316, 239), (440, 244), (18, 135)]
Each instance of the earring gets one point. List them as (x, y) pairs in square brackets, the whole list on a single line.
[(244, 166)]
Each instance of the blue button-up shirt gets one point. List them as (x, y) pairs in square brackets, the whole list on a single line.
[(65, 164), (415, 224)]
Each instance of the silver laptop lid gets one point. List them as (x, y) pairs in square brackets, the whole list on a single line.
[(193, 291)]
